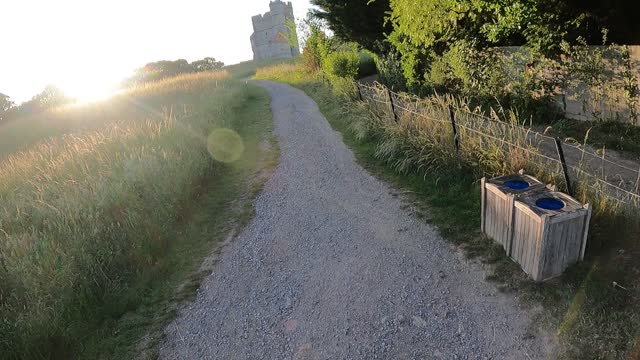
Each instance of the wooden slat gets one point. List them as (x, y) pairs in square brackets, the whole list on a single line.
[(585, 231)]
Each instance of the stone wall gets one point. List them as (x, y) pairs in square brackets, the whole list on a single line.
[(604, 99), (270, 38)]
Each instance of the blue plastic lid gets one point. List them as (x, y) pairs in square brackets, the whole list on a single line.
[(516, 184), (550, 204)]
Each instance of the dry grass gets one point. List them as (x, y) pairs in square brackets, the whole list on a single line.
[(89, 200)]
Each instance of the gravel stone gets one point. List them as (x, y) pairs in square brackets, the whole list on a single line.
[(335, 266)]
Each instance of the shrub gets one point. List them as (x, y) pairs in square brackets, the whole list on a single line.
[(390, 71), (342, 64)]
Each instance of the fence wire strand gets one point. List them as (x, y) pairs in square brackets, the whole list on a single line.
[(471, 120)]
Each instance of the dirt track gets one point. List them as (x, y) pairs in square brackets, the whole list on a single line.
[(333, 266)]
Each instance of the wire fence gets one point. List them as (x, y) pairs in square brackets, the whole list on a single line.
[(579, 165)]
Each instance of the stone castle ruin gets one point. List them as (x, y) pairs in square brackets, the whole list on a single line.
[(270, 38)]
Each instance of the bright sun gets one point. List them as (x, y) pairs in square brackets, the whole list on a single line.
[(87, 88), (86, 91)]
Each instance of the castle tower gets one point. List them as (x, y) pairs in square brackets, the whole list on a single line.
[(270, 38)]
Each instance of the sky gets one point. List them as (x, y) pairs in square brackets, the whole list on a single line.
[(89, 45)]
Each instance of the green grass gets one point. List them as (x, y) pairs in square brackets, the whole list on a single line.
[(248, 68), (590, 318), (116, 207)]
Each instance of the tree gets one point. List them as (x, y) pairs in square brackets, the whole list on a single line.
[(5, 105), (316, 46), (360, 21), (207, 64), (163, 69), (50, 97), (424, 30)]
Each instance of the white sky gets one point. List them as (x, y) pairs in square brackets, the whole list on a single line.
[(78, 44)]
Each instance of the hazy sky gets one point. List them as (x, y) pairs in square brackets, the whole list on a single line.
[(69, 42)]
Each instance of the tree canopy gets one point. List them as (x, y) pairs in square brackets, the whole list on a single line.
[(361, 21), (166, 68), (49, 98), (542, 24), (5, 104), (426, 29), (207, 64)]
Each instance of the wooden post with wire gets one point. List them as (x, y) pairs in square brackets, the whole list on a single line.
[(452, 117), (393, 108), (563, 162)]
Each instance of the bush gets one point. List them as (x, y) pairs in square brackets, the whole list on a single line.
[(342, 64), (390, 71)]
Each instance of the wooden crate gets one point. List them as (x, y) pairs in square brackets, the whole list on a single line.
[(498, 204), (547, 241)]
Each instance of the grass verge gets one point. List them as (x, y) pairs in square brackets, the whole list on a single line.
[(590, 317), (102, 220)]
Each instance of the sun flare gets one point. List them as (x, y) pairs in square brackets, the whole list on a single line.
[(87, 86), (87, 90)]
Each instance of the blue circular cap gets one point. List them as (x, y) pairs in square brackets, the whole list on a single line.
[(550, 204), (516, 184)]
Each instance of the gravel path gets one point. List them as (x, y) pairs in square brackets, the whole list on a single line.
[(333, 266)]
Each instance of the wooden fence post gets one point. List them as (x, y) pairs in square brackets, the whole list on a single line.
[(638, 183), (452, 117), (393, 108), (567, 180)]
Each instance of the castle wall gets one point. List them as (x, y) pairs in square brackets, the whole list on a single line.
[(270, 33)]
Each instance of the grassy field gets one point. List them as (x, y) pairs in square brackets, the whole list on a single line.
[(248, 68), (583, 311), (106, 209)]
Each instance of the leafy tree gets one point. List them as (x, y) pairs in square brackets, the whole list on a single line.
[(620, 17), (49, 98), (424, 30), (5, 105), (360, 21), (316, 47), (159, 70), (207, 64)]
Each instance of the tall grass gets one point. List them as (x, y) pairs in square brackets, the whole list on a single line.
[(88, 205), (422, 138)]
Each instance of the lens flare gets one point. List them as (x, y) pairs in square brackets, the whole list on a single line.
[(225, 145)]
